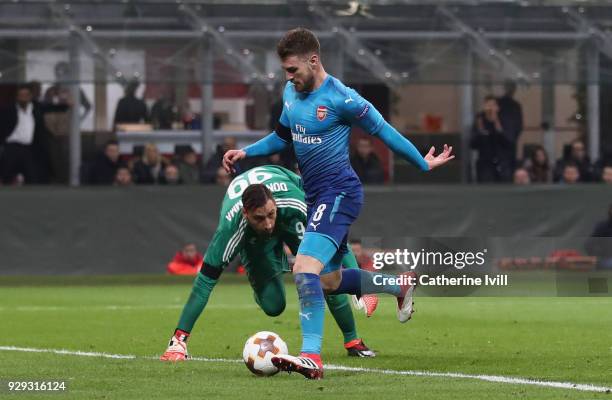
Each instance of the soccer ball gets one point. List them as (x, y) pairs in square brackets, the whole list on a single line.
[(259, 350)]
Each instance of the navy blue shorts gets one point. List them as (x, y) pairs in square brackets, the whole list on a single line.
[(331, 216)]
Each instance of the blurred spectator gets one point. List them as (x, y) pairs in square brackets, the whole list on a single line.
[(511, 117), (222, 178), (45, 167), (104, 167), (189, 118), (59, 93), (130, 109), (364, 261), (149, 169), (25, 140), (188, 261), (606, 174), (189, 168), (575, 154), (123, 177), (209, 173), (570, 174), (366, 163), (600, 247), (604, 161), (495, 151), (171, 175), (36, 89), (58, 122), (164, 112), (538, 166), (521, 177)]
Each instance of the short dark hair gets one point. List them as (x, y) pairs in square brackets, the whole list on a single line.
[(256, 196), (111, 142), (298, 42), (571, 164), (355, 241), (490, 97), (576, 141), (24, 86), (34, 84), (132, 85)]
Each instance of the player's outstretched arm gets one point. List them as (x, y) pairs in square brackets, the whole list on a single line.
[(357, 110), (203, 285), (265, 146), (402, 146)]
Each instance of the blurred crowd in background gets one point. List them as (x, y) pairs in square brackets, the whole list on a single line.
[(34, 145)]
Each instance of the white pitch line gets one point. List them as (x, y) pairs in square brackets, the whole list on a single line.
[(488, 378), (67, 352)]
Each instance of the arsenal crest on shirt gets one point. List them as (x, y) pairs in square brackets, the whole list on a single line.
[(321, 113)]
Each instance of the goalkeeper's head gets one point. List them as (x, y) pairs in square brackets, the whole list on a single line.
[(259, 209)]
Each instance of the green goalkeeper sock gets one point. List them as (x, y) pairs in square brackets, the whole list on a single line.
[(349, 261), (202, 286), (340, 308)]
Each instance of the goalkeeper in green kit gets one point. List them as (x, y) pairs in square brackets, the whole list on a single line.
[(262, 211)]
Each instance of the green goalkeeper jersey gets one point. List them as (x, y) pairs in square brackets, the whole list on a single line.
[(264, 258), (234, 236)]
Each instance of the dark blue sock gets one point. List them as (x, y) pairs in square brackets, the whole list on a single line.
[(351, 282), (359, 282), (312, 311)]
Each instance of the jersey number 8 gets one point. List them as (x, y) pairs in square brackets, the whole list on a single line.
[(319, 212)]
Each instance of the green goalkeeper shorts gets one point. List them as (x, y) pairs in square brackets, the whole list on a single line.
[(265, 268), (270, 296)]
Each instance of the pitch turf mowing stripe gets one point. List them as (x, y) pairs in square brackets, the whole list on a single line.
[(458, 375)]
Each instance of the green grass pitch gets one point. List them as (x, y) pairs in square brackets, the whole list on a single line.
[(541, 338)]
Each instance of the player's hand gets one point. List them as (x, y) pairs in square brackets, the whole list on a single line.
[(440, 159), (230, 158)]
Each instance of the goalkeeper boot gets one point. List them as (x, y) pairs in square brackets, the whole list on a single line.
[(356, 348), (177, 348)]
